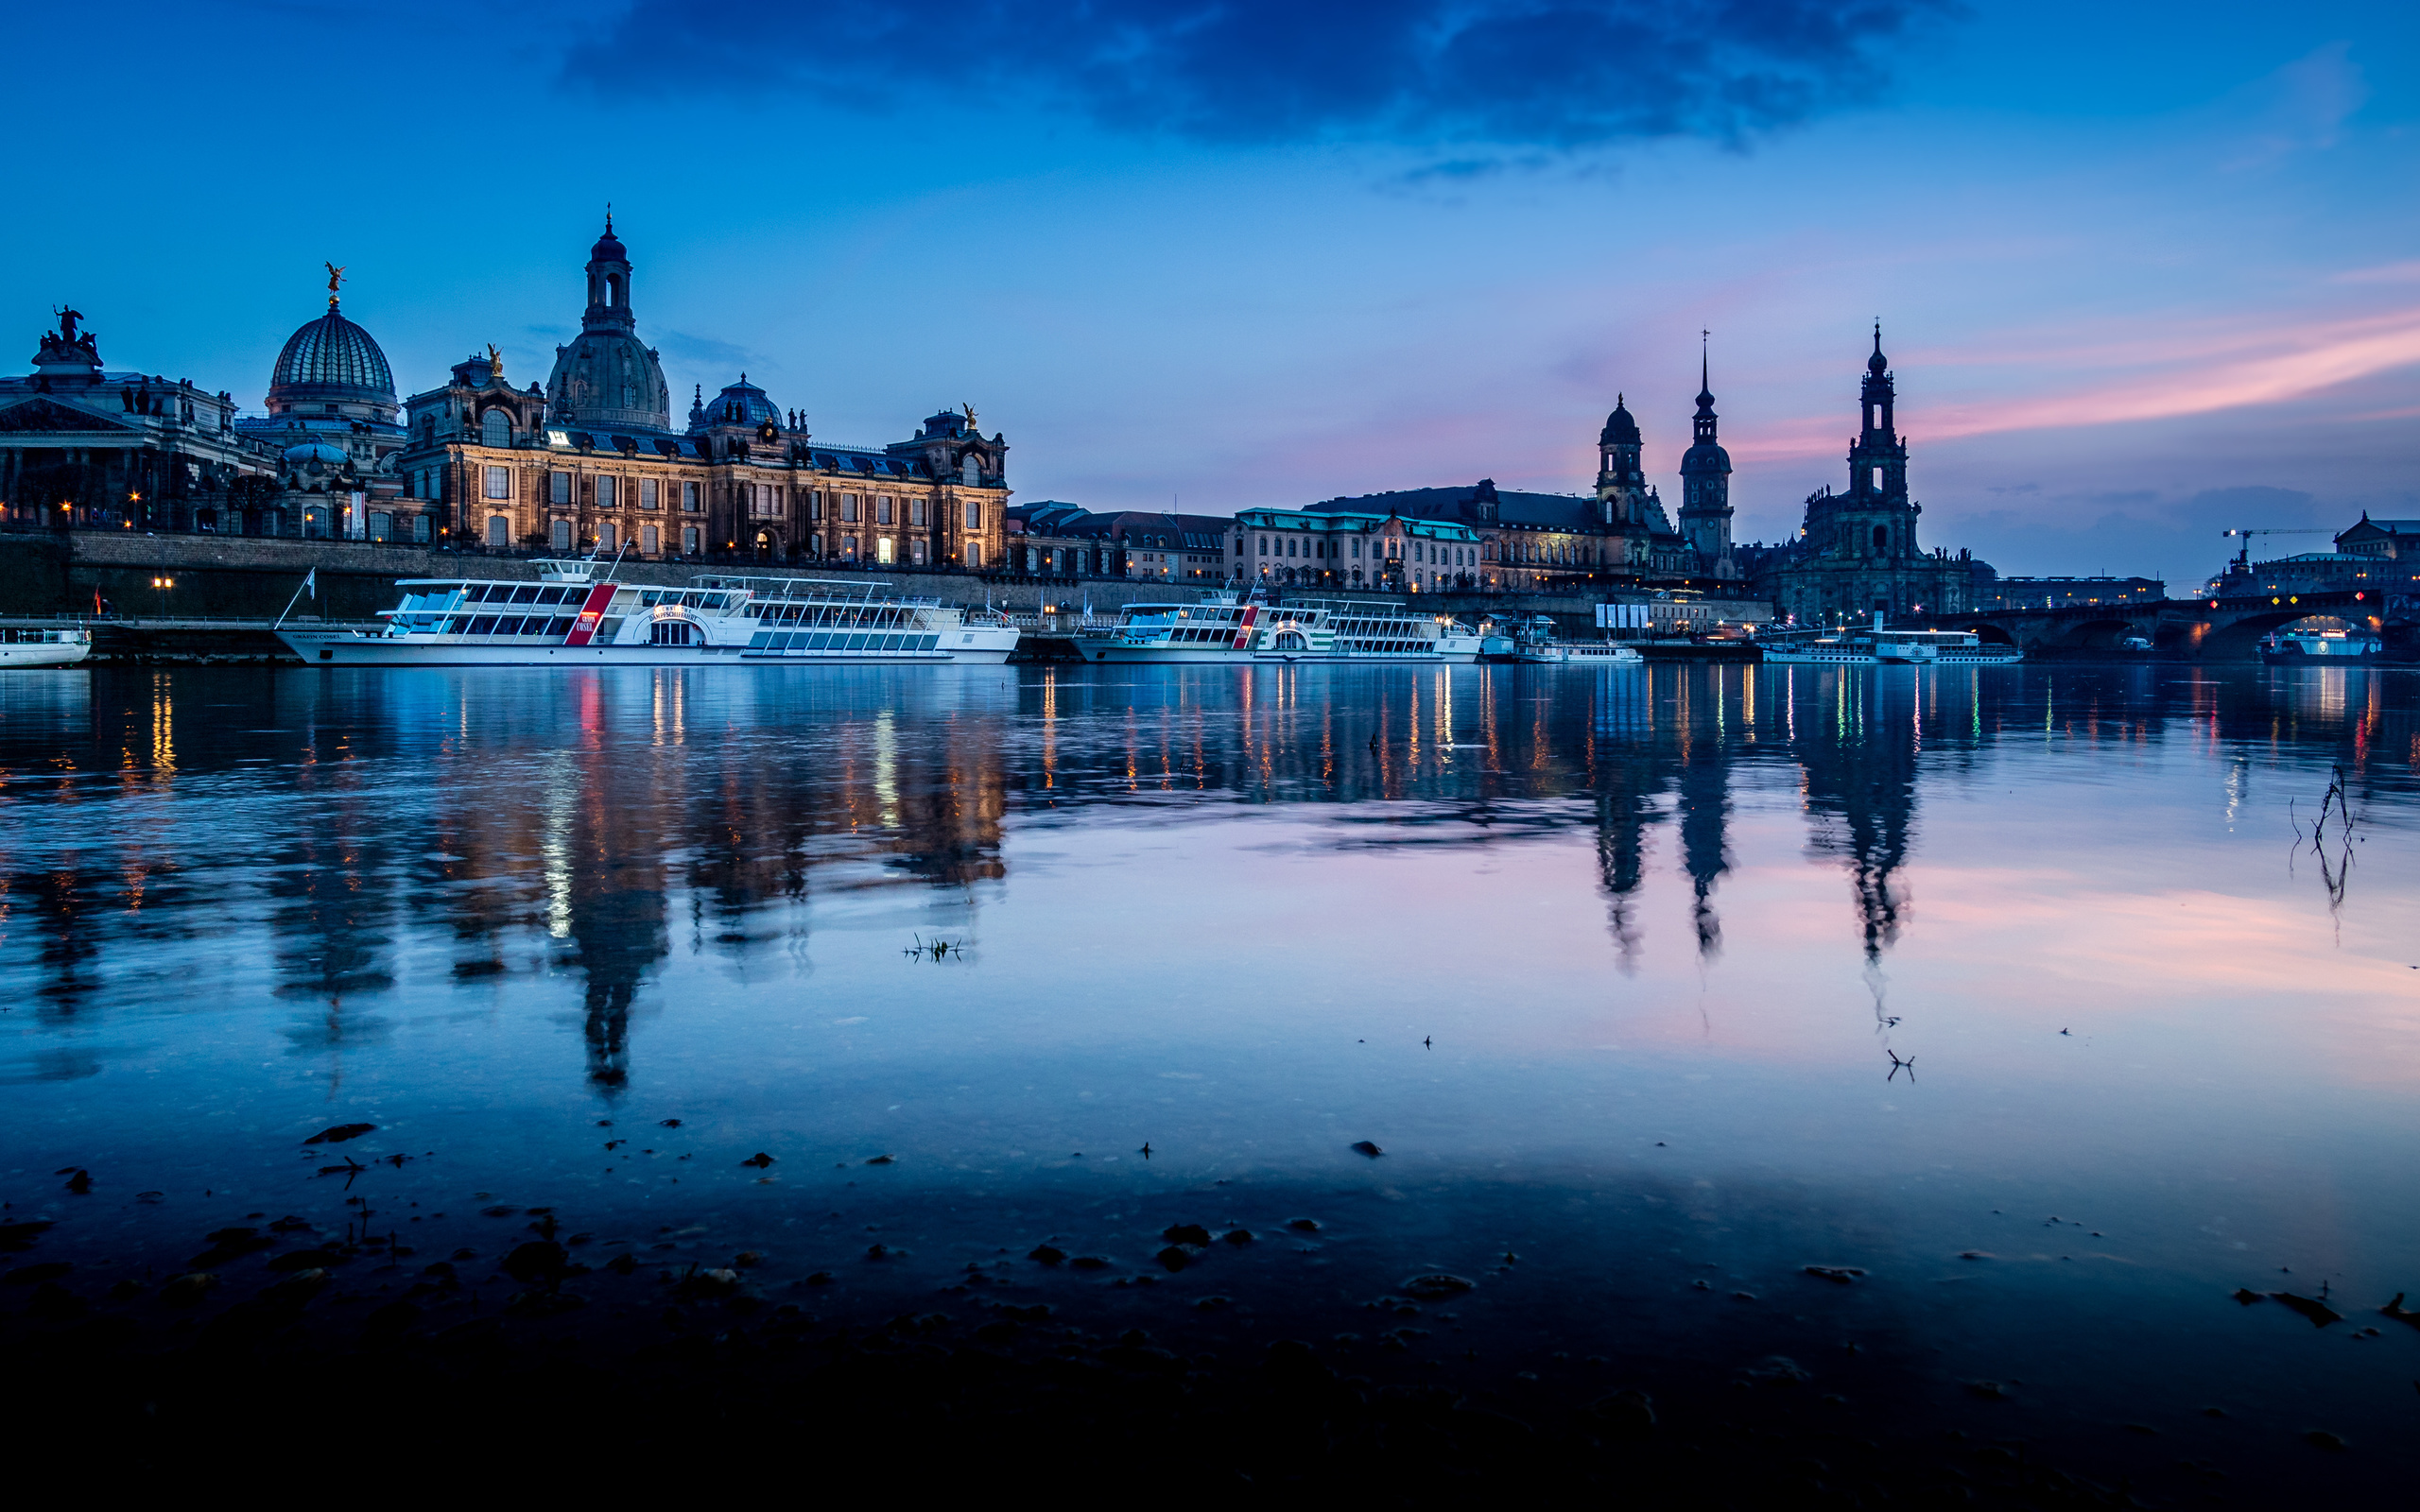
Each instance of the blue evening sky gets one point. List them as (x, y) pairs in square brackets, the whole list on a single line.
[(2144, 272)]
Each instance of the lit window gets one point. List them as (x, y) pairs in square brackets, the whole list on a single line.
[(499, 483)]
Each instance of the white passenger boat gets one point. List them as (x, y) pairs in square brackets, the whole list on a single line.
[(1535, 641), (1822, 649), (2331, 649), (1943, 648), (572, 617), (1222, 626), (36, 646)]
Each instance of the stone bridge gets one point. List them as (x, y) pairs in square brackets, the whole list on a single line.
[(2227, 628)]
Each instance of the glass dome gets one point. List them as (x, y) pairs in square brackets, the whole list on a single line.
[(331, 361)]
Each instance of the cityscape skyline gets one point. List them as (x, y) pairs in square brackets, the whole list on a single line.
[(2114, 346)]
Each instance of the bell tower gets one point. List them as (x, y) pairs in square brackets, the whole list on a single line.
[(1621, 486), (608, 283), (1705, 485)]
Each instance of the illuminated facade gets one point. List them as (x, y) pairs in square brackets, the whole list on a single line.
[(591, 462)]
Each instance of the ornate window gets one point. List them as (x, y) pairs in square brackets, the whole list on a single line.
[(561, 537), (499, 482), (495, 428), (690, 504)]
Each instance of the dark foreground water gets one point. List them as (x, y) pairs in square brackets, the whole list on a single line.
[(2025, 992)]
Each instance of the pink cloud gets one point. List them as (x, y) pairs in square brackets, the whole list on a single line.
[(2183, 373)]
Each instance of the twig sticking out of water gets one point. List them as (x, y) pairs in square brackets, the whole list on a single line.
[(1898, 1065), (2335, 853), (936, 950)]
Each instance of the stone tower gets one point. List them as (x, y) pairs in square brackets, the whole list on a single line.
[(1875, 519), (1706, 488)]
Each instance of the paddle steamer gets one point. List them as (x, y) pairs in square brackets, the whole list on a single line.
[(573, 617)]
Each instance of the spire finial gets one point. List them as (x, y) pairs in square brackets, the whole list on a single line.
[(608, 217), (1878, 336), (1704, 386)]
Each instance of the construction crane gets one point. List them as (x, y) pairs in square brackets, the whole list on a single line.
[(2242, 564)]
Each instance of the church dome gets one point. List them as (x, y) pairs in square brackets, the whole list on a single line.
[(608, 248), (331, 360), (297, 457), (1619, 428), (740, 404), (1706, 457)]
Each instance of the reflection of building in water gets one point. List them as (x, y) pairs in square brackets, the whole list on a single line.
[(737, 794), (1855, 743)]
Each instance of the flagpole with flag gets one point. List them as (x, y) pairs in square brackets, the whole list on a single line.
[(310, 586)]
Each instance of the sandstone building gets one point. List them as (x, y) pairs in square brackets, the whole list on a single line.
[(1857, 555), (593, 461)]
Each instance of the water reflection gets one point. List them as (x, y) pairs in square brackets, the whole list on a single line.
[(579, 825)]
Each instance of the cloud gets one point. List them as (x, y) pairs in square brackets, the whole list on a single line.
[(705, 352), (2146, 372), (2301, 107), (1537, 73)]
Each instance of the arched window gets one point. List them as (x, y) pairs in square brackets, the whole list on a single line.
[(495, 428), (562, 534), (971, 471)]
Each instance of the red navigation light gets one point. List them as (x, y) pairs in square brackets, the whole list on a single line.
[(2356, 598)]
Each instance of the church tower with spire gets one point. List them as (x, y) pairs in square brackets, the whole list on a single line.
[(1856, 555), (1705, 487), (609, 380)]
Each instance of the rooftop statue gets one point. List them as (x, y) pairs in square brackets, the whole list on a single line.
[(335, 276), (495, 361), (67, 318)]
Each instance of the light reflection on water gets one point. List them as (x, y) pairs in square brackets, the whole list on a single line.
[(1897, 961)]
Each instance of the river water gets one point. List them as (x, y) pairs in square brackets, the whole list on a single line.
[(2062, 1002)]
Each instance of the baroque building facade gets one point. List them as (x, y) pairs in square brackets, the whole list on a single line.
[(87, 447), (1857, 555), (591, 462), (1618, 536)]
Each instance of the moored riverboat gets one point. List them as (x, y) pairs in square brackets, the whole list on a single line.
[(2332, 649), (1945, 648), (1223, 626), (1535, 643), (1828, 648), (572, 616), (26, 645)]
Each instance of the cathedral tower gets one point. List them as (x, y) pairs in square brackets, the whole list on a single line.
[(1706, 488), (1879, 520)]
